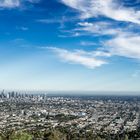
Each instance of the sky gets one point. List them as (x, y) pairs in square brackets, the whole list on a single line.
[(80, 45)]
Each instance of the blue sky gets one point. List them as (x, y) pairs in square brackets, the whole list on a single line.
[(83, 45)]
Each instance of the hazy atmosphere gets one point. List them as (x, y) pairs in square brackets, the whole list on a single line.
[(70, 45)]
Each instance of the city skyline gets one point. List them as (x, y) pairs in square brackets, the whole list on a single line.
[(70, 45)]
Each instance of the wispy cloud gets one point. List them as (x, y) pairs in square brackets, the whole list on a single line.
[(33, 1), (87, 43), (61, 21), (124, 40), (49, 21), (58, 20), (124, 45), (14, 3), (9, 3), (108, 8), (101, 28), (78, 57)]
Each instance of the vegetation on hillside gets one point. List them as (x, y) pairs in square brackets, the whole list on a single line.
[(61, 133)]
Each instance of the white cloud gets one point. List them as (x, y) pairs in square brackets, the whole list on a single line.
[(108, 8), (124, 41), (95, 28), (87, 43), (33, 1), (102, 54), (78, 57), (55, 20), (102, 28), (97, 53), (49, 21), (127, 46), (9, 3), (14, 3)]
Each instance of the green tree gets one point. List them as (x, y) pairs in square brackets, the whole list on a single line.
[(21, 136), (126, 137)]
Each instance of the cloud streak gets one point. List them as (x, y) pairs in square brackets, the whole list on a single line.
[(127, 46), (9, 3), (99, 28), (78, 57), (108, 8), (14, 3)]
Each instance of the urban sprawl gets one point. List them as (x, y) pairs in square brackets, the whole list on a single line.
[(45, 117)]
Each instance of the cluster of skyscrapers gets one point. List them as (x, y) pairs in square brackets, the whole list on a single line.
[(17, 95)]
